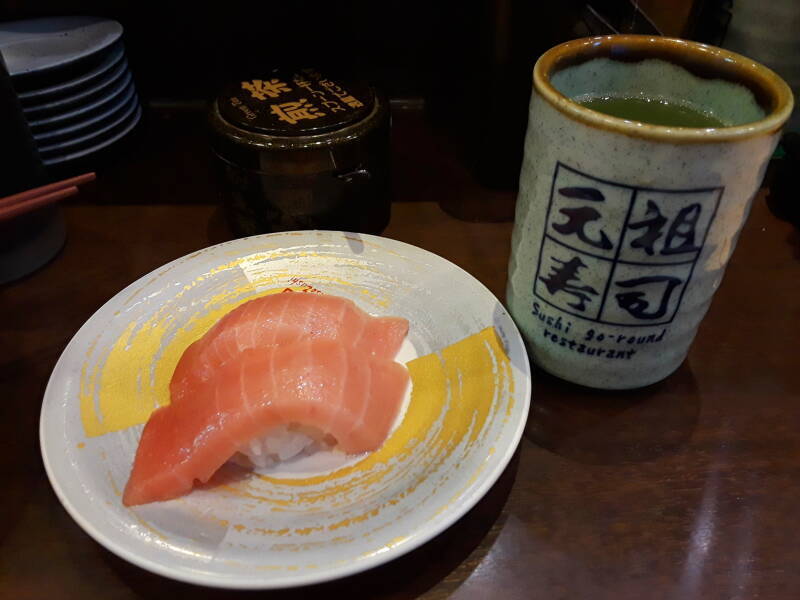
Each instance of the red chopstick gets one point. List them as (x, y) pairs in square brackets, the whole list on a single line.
[(23, 197), (9, 212)]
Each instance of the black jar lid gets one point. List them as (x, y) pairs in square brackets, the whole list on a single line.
[(300, 102)]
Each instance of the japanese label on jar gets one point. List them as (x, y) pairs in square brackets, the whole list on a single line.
[(295, 103)]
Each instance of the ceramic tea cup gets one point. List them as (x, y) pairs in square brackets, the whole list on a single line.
[(623, 226)]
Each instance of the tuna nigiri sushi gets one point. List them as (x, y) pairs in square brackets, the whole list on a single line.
[(329, 381)]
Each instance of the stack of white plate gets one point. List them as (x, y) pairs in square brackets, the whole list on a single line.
[(73, 82)]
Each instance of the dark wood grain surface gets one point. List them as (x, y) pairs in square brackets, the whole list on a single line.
[(688, 489)]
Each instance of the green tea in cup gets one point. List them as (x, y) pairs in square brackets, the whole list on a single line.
[(655, 91), (656, 111)]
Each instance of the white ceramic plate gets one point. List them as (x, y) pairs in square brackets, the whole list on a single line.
[(115, 95), (317, 518), (121, 133), (82, 96), (98, 120), (39, 44), (97, 136), (115, 55)]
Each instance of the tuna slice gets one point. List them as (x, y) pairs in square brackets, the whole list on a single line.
[(281, 319)]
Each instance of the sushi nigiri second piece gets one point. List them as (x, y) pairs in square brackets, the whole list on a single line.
[(343, 392), (280, 319)]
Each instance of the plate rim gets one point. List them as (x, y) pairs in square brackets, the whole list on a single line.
[(42, 136), (415, 540), (114, 57), (113, 75), (87, 137), (64, 158), (64, 62), (115, 93)]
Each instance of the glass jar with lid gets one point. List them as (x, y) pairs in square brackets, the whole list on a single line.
[(302, 149)]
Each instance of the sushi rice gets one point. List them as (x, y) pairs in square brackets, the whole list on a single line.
[(282, 443)]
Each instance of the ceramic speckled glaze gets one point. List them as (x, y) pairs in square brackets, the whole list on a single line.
[(313, 518), (623, 229)]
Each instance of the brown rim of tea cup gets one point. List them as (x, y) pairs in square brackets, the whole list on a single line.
[(709, 62)]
